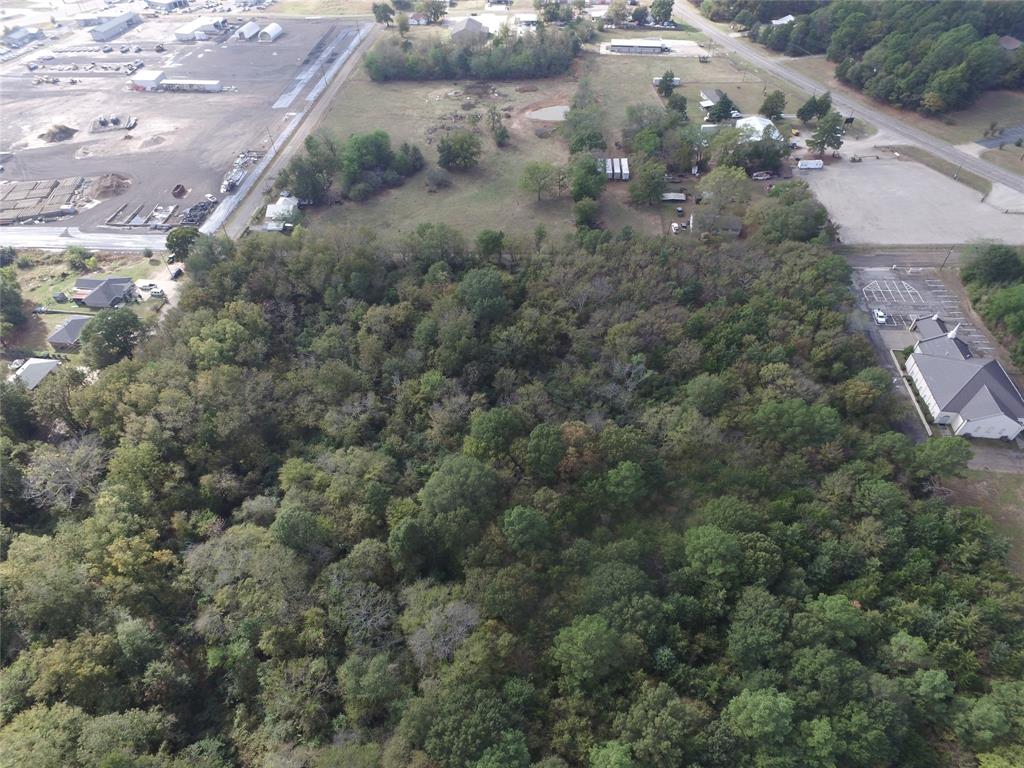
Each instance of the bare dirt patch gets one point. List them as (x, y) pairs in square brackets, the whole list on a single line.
[(108, 185)]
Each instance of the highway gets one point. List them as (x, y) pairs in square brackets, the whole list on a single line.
[(863, 108)]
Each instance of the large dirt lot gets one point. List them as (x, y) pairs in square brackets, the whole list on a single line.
[(901, 202), (181, 138)]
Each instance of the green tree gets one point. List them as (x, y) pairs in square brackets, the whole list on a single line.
[(808, 110), (111, 336), (402, 24), (761, 716), (459, 150), (661, 10), (539, 178), (723, 110), (667, 83), (510, 752), (585, 180), (11, 311), (434, 10), (647, 183), (586, 213), (611, 754), (371, 688), (525, 529), (773, 105), (489, 243), (828, 134), (724, 187), (179, 241), (589, 651), (383, 13), (993, 264), (482, 292)]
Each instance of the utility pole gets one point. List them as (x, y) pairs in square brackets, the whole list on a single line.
[(948, 253)]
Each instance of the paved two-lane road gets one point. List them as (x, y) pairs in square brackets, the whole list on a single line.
[(863, 108)]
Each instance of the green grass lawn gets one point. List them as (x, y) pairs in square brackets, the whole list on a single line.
[(1001, 496), (49, 274), (487, 197), (1009, 157)]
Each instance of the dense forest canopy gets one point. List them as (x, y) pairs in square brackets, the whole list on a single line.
[(930, 56), (393, 504)]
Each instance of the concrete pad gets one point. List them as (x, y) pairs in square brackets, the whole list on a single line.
[(905, 203)]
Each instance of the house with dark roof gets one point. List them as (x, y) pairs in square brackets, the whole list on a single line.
[(67, 335), (102, 292), (468, 31), (974, 396)]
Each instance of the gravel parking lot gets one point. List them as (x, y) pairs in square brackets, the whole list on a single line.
[(901, 202), (181, 138)]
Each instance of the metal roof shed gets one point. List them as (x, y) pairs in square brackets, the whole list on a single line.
[(625, 169), (247, 31), (271, 32)]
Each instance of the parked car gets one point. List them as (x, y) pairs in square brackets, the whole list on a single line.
[(146, 285), (680, 211), (107, 48), (210, 198), (675, 227), (157, 293), (16, 364), (880, 317), (762, 176)]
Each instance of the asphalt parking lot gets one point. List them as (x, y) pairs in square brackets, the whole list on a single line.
[(905, 297)]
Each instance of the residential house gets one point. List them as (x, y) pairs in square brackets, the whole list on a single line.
[(281, 215), (102, 292), (34, 370), (418, 20), (468, 31), (975, 397), (68, 334)]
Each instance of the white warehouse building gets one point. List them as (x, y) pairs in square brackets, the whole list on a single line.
[(200, 28)]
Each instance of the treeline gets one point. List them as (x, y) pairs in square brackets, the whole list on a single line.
[(388, 504), (362, 166), (549, 51), (994, 276), (932, 57)]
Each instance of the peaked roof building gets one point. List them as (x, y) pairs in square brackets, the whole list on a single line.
[(974, 396)]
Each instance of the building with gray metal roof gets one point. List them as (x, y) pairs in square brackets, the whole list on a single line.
[(974, 396), (69, 333), (34, 370)]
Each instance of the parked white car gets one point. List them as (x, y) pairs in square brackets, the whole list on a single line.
[(880, 317)]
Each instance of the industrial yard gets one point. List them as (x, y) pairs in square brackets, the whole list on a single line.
[(154, 126)]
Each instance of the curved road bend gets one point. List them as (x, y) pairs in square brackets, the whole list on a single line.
[(874, 116)]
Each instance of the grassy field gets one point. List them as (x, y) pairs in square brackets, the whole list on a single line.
[(1009, 157), (1001, 496), (946, 168), (1005, 108)]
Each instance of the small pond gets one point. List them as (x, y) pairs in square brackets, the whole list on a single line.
[(551, 114)]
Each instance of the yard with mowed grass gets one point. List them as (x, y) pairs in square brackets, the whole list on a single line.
[(1005, 108), (1001, 496), (49, 273), (1009, 157), (620, 81)]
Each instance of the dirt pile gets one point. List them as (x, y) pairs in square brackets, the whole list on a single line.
[(57, 133), (108, 185)]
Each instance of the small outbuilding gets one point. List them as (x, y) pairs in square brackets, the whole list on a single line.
[(418, 20), (147, 79), (247, 31), (784, 20), (469, 31), (68, 334), (115, 27), (34, 370), (710, 97), (200, 28), (270, 33), (810, 165), (280, 215)]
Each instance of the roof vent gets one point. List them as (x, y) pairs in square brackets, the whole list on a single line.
[(952, 334)]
